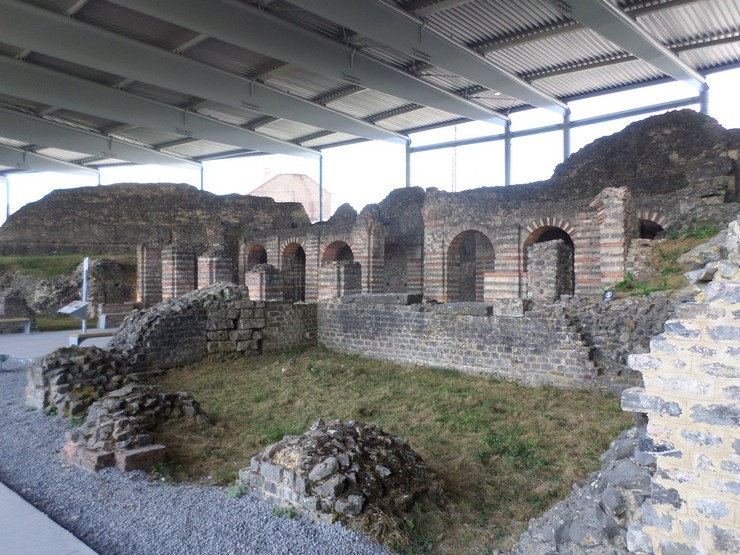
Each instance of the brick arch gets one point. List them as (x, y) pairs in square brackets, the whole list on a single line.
[(544, 230), (468, 256), (293, 266), (256, 254), (652, 223), (338, 250), (565, 225)]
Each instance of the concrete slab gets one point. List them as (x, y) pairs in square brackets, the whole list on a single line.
[(27, 530), (36, 344)]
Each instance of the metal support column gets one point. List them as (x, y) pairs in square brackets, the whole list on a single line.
[(321, 187), (408, 162), (704, 99), (507, 153), (202, 179), (7, 195), (566, 134)]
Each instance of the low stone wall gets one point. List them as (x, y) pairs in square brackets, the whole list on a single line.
[(502, 341), (71, 378), (613, 330), (289, 326)]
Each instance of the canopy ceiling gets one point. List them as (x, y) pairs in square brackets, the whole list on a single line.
[(91, 83)]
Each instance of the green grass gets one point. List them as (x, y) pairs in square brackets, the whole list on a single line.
[(667, 273), (61, 322), (505, 452), (46, 267)]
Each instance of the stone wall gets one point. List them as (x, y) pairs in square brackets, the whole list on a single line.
[(613, 330), (289, 326), (472, 337), (692, 399), (216, 319), (71, 378), (117, 218)]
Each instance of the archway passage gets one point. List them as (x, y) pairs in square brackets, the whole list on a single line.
[(550, 265), (395, 267), (256, 255), (650, 229), (338, 251), (294, 273), (469, 256)]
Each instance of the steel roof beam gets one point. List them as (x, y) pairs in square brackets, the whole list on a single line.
[(68, 39), (402, 31), (439, 7), (611, 23), (21, 79), (259, 31), (49, 134), (23, 160)]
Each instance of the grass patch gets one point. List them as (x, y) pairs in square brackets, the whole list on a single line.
[(505, 452), (667, 273), (61, 322), (47, 267)]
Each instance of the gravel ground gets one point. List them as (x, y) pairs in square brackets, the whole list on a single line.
[(128, 514)]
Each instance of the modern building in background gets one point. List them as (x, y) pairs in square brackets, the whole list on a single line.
[(292, 187)]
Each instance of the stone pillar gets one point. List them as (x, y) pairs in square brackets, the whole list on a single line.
[(148, 274), (618, 225), (213, 267), (265, 283), (337, 279), (549, 270), (178, 271)]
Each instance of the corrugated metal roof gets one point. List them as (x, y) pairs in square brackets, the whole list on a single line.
[(535, 40)]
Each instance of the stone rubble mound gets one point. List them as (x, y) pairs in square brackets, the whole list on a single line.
[(602, 516), (118, 427), (347, 471)]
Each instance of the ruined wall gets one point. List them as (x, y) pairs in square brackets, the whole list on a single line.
[(117, 218), (691, 397), (501, 341), (218, 319), (289, 326)]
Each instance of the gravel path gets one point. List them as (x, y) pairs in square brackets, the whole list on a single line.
[(127, 514)]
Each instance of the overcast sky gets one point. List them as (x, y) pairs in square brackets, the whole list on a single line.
[(365, 173)]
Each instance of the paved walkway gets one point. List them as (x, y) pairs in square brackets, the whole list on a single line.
[(24, 530)]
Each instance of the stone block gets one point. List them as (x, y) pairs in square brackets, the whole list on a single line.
[(637, 400), (717, 415), (715, 509), (87, 458), (725, 540), (142, 458)]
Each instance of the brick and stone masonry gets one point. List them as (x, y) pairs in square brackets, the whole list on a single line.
[(692, 399)]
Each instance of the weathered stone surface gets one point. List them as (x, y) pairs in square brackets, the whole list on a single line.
[(119, 426), (340, 468), (602, 516), (127, 214)]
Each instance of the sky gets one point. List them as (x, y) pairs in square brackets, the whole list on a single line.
[(365, 173)]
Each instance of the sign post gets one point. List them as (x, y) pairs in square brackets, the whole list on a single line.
[(78, 309)]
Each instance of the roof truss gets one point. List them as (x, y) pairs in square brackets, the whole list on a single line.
[(257, 30), (39, 131), (393, 27), (83, 44)]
